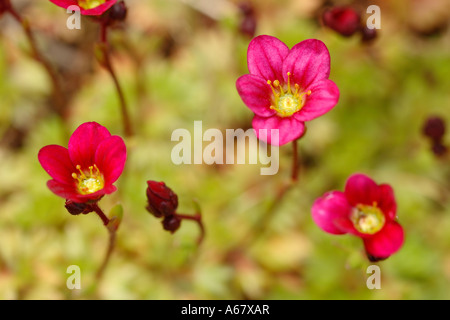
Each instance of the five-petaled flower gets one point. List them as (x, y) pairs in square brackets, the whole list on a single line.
[(86, 170), (87, 7), (364, 209), (286, 87)]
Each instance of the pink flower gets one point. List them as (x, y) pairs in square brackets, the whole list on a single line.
[(87, 7), (85, 171), (286, 87), (364, 209)]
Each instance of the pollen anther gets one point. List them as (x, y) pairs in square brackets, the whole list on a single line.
[(89, 182), (286, 102)]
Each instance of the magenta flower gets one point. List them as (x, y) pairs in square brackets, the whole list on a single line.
[(87, 7), (286, 87), (364, 209), (85, 171)]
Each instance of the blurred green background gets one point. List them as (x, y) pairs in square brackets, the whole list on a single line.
[(178, 62)]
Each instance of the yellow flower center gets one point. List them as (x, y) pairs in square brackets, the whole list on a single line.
[(89, 182), (367, 219), (90, 4), (285, 101)]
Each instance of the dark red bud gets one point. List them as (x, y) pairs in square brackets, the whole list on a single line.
[(118, 11), (344, 20), (368, 34), (434, 128), (4, 6), (171, 223), (162, 201), (439, 149), (75, 208), (248, 22)]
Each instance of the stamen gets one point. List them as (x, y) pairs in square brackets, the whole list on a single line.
[(297, 88), (83, 176), (303, 94), (286, 102), (276, 84), (273, 89), (289, 82)]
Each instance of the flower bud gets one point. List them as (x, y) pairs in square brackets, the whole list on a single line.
[(344, 20), (118, 11), (75, 208), (439, 149), (4, 6), (162, 201), (434, 128), (171, 223), (368, 34), (247, 26)]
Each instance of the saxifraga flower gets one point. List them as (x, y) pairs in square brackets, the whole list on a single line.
[(286, 87), (86, 170), (366, 210)]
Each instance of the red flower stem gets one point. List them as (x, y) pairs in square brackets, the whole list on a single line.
[(198, 219), (108, 66), (57, 90), (100, 213), (112, 240)]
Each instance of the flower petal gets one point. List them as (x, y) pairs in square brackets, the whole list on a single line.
[(256, 94), (265, 57), (65, 3), (70, 192), (325, 210), (110, 158), (386, 242), (324, 96), (288, 129), (56, 161), (386, 201), (91, 12), (66, 191), (308, 61), (98, 10), (84, 142), (360, 189)]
